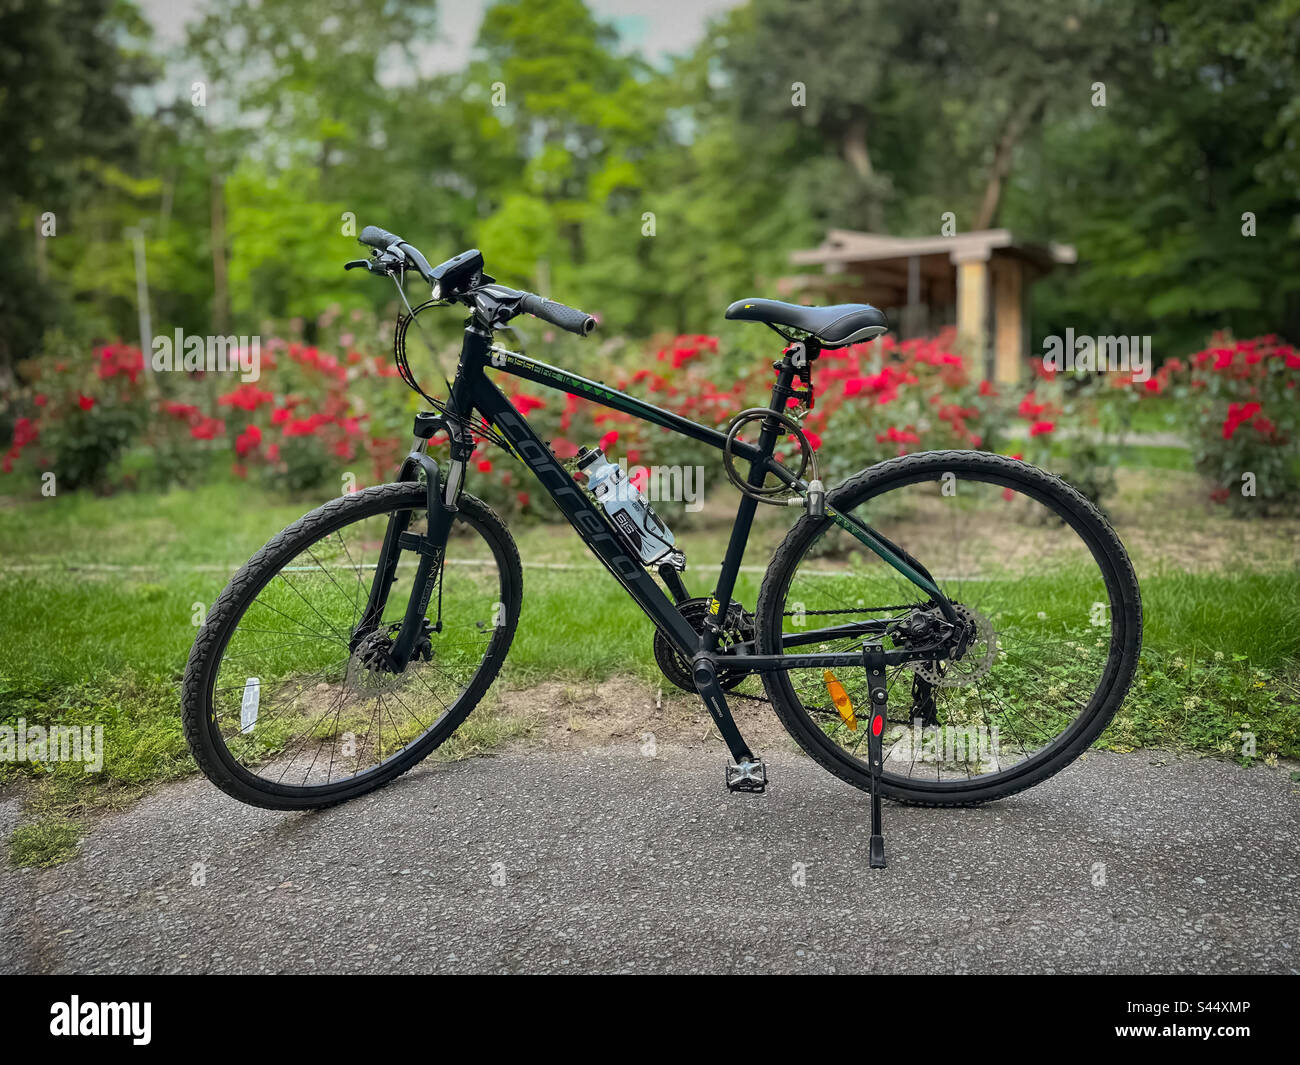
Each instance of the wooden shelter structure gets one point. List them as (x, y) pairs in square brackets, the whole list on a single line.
[(978, 282)]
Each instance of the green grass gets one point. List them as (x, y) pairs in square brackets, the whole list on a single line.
[(1158, 457), (49, 841), (103, 646)]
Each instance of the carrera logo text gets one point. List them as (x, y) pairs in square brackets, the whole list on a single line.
[(570, 498)]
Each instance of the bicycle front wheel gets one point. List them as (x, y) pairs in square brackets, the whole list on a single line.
[(284, 708), (1023, 557)]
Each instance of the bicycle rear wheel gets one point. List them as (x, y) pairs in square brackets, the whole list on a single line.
[(281, 711), (1024, 556)]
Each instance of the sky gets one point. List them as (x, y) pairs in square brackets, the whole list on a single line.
[(655, 28)]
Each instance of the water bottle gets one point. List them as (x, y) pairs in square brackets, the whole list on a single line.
[(627, 508)]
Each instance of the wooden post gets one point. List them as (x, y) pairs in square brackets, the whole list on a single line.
[(1008, 328), (973, 306)]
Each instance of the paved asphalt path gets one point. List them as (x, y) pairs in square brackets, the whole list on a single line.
[(616, 863)]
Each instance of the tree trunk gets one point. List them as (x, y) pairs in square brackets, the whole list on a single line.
[(220, 297), (1024, 116), (853, 143)]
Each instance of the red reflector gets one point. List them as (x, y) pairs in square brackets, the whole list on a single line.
[(877, 724)]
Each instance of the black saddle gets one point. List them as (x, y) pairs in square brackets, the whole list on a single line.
[(831, 327)]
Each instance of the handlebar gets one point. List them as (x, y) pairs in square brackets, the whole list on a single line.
[(383, 240), (461, 278), (379, 238), (570, 318)]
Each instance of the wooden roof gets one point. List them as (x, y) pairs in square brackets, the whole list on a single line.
[(843, 246)]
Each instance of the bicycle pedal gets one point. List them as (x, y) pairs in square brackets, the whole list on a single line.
[(747, 776)]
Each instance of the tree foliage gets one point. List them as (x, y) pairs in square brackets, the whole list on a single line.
[(651, 194)]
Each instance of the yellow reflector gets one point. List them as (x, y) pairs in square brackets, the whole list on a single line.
[(841, 699)]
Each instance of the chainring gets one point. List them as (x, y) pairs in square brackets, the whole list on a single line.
[(738, 628)]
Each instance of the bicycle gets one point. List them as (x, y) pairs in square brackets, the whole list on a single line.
[(311, 652)]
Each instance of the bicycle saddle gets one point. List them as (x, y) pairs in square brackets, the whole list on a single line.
[(832, 327)]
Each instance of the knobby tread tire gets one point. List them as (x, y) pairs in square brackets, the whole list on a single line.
[(909, 469), (258, 571)]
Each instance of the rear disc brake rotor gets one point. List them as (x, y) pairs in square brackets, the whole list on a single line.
[(971, 666)]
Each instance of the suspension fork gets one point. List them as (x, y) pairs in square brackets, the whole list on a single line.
[(431, 548), (442, 505)]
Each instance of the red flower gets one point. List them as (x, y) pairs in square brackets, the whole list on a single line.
[(207, 428), (1041, 428), (40, 399), (523, 498), (305, 426), (898, 436), (1029, 409), (987, 389), (245, 397), (248, 440), (120, 359), (25, 432), (683, 354), (1238, 413), (528, 403), (608, 440), (85, 402), (485, 466)]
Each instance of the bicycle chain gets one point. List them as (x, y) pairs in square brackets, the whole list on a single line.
[(856, 610), (814, 613)]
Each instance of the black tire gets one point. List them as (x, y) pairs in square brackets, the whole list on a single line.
[(202, 730), (1073, 510)]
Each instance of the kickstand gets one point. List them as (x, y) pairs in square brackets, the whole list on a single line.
[(873, 660)]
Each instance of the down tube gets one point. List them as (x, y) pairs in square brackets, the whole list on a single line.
[(583, 517)]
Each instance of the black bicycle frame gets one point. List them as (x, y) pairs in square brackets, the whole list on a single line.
[(472, 389)]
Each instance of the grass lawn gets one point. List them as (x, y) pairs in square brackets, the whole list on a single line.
[(105, 643)]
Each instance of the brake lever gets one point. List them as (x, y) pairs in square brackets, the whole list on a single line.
[(384, 265)]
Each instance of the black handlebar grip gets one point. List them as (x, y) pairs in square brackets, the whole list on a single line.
[(379, 238), (575, 321)]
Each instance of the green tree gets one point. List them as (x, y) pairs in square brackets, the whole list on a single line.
[(66, 73)]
